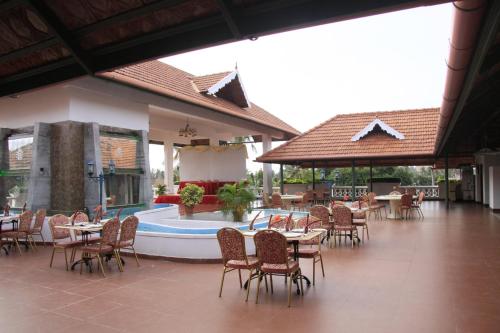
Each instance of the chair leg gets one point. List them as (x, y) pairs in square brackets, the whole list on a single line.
[(66, 259), (239, 275), (52, 256), (271, 281), (314, 271), (43, 239), (18, 247), (258, 287), (301, 283), (222, 281), (249, 282), (290, 291), (367, 233), (135, 254), (321, 261), (101, 265), (118, 260)]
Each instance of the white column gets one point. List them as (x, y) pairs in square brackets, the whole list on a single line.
[(168, 149), (267, 167), (477, 185), (494, 187)]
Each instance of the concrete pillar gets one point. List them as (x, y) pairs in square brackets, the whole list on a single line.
[(145, 188), (168, 149), (267, 169), (282, 184), (39, 188), (4, 163), (67, 167), (486, 184), (477, 183), (92, 153), (494, 187)]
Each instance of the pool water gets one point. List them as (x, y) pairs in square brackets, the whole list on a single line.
[(201, 229)]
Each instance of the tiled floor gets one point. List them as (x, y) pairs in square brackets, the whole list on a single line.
[(440, 275)]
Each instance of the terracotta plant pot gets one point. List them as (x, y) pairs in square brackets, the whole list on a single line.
[(189, 210)]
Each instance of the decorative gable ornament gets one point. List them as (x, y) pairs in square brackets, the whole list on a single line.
[(372, 126), (234, 75)]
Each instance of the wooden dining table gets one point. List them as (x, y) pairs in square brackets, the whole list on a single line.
[(293, 237), (13, 219)]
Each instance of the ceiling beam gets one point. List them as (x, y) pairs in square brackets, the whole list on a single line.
[(57, 28), (226, 9), (37, 70), (126, 16), (9, 4), (29, 49), (487, 36)]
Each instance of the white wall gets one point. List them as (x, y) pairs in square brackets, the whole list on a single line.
[(229, 165), (86, 106), (47, 105), (494, 186)]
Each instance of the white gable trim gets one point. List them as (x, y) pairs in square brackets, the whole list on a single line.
[(386, 128), (226, 80)]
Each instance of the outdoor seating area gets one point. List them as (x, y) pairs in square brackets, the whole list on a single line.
[(407, 277)]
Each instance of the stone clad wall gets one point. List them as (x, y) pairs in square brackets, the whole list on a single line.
[(67, 166)]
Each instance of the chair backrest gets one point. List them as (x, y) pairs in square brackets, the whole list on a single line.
[(79, 217), (39, 219), (25, 220), (23, 209), (276, 200), (271, 247), (265, 200), (58, 220), (395, 193), (128, 229), (371, 198), (6, 210), (110, 232), (277, 221), (359, 204), (232, 244), (311, 221), (97, 214), (320, 194), (421, 197), (406, 200), (342, 215), (320, 212), (310, 195)]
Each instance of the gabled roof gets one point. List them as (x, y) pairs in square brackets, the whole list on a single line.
[(169, 81), (331, 140)]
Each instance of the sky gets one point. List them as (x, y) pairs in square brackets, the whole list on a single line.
[(392, 61)]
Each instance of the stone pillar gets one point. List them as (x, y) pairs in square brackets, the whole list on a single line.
[(145, 189), (92, 153), (39, 188), (267, 169), (494, 187), (477, 183), (67, 167), (4, 163), (168, 149)]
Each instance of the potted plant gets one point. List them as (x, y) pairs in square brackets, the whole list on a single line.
[(236, 199), (191, 195), (161, 189)]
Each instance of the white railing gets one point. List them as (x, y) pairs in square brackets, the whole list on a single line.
[(339, 192), (430, 191)]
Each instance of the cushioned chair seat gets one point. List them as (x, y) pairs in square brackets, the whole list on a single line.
[(242, 264), (97, 248), (13, 234), (305, 253), (345, 227), (280, 268), (68, 243)]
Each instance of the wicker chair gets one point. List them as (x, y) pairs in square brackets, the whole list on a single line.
[(38, 225), (271, 248), (314, 250), (342, 223), (323, 214), (82, 217), (301, 204), (234, 256), (418, 205), (104, 247), (126, 240), (376, 206), (406, 205), (23, 231), (359, 219), (61, 239)]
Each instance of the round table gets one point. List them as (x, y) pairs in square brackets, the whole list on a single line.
[(395, 204)]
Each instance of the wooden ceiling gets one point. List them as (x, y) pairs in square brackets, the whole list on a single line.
[(48, 41)]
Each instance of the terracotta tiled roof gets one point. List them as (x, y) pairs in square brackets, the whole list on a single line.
[(206, 81), (123, 151), (167, 80), (331, 140)]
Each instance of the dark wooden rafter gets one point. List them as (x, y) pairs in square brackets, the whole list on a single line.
[(226, 9), (57, 28), (127, 15), (9, 4), (487, 36), (46, 43)]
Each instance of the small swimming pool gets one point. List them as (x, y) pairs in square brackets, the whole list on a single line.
[(208, 223)]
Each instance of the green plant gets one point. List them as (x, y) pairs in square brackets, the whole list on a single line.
[(161, 189), (236, 199), (191, 195)]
